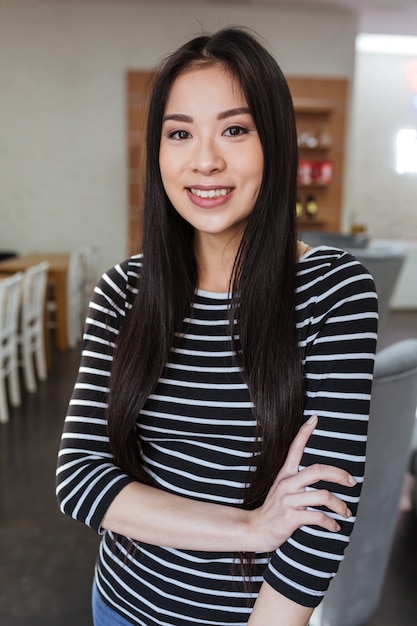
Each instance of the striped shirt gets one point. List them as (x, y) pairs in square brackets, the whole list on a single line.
[(196, 435)]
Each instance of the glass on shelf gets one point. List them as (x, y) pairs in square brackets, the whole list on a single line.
[(314, 140)]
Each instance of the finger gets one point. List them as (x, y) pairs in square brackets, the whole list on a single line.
[(318, 518), (320, 472), (295, 453), (319, 498)]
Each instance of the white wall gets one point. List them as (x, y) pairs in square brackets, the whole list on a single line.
[(382, 105), (63, 176), (394, 18)]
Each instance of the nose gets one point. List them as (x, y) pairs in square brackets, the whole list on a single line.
[(207, 157)]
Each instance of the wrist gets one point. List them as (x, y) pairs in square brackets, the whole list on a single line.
[(255, 538)]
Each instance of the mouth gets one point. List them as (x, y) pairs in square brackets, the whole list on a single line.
[(210, 193)]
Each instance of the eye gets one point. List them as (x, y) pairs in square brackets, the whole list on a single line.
[(179, 135), (235, 131)]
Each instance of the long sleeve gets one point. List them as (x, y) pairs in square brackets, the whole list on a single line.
[(196, 435), (87, 478), (337, 324)]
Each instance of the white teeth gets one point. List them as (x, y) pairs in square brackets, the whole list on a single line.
[(210, 193)]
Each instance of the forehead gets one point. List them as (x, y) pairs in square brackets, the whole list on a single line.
[(214, 83)]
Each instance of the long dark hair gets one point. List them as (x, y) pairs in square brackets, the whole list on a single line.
[(264, 275)]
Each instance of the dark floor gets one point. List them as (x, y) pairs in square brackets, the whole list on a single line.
[(47, 560)]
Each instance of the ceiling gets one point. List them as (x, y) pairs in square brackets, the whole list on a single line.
[(356, 5), (351, 5), (397, 17)]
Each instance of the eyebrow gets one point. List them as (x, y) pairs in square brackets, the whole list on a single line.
[(181, 117), (231, 112)]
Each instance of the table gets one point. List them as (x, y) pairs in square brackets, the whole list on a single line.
[(57, 276)]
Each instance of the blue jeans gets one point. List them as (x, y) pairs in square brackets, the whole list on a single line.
[(103, 615)]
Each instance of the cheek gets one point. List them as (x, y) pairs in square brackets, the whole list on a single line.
[(253, 164), (255, 172)]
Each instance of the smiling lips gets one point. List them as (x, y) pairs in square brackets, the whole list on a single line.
[(209, 198), (210, 193)]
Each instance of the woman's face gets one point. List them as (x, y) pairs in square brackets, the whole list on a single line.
[(211, 158)]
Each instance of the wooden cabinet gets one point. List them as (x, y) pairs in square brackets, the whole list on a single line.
[(137, 99), (320, 108)]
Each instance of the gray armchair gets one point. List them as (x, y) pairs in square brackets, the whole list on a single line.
[(413, 467), (354, 594), (384, 265), (338, 240)]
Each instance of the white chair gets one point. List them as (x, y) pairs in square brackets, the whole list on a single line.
[(76, 278), (80, 284), (354, 594), (75, 294), (32, 324), (9, 324), (90, 264)]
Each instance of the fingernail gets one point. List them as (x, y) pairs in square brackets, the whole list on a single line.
[(348, 513), (338, 528), (352, 480), (312, 419)]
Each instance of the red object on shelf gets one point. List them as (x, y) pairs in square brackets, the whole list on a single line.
[(322, 173), (305, 172), (315, 172)]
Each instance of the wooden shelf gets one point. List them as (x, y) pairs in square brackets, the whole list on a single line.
[(313, 105), (311, 223), (320, 108), (318, 148)]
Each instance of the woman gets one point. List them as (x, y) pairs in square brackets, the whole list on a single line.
[(216, 433)]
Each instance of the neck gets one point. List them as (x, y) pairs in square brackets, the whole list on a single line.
[(215, 259)]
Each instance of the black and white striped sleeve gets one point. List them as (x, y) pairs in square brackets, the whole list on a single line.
[(87, 478), (337, 323)]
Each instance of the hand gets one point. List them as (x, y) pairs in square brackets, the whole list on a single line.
[(286, 506)]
